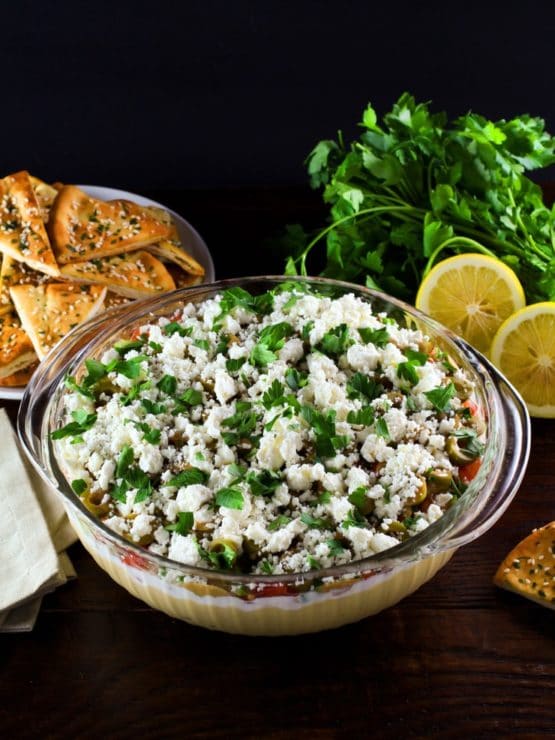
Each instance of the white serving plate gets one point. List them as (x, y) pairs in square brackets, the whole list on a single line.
[(189, 236)]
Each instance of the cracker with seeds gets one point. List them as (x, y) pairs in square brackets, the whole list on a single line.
[(529, 569)]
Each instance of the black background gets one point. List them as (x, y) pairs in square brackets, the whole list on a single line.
[(172, 95)]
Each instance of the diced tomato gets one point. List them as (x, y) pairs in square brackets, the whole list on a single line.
[(471, 406), (468, 472), (135, 561), (136, 333), (273, 589)]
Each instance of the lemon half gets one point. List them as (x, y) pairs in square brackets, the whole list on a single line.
[(471, 294), (524, 350)]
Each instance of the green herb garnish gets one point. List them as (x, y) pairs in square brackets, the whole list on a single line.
[(229, 498), (184, 524), (440, 398), (190, 477), (82, 421), (414, 188)]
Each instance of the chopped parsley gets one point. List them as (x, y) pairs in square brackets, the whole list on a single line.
[(229, 498), (377, 337), (362, 387), (336, 341), (440, 398), (323, 426), (184, 524), (190, 477)]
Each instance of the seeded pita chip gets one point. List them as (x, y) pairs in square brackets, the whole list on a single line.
[(49, 312), (171, 249), (83, 228), (113, 300), (529, 569), (183, 279), (22, 232), (134, 275), (20, 378), (16, 350), (173, 252), (16, 273), (45, 195)]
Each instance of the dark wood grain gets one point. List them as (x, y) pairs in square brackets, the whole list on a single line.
[(459, 658)]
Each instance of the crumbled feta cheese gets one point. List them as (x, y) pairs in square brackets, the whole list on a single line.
[(269, 452)]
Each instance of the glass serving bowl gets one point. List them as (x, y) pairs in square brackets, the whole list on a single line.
[(292, 603)]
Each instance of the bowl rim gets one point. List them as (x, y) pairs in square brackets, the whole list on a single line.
[(457, 526)]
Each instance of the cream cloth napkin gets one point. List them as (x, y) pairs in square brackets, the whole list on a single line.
[(34, 532)]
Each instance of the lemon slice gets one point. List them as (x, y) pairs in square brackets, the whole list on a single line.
[(524, 350), (471, 294)]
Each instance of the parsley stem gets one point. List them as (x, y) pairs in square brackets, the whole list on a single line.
[(375, 210), (463, 241)]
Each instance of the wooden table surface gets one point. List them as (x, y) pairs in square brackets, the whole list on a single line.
[(459, 658)]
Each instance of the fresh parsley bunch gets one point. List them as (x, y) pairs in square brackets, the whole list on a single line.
[(415, 188)]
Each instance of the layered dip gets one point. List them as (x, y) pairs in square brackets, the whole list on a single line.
[(278, 433)]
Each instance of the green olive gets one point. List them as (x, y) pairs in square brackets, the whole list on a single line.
[(463, 386), (219, 544), (93, 502), (439, 480), (420, 495), (228, 548), (250, 548), (457, 454), (397, 528), (105, 385)]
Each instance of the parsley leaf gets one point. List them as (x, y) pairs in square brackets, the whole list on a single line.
[(295, 379), (190, 477), (126, 457), (264, 483), (407, 371), (273, 336), (243, 420), (266, 567), (129, 368), (270, 339), (363, 387), (381, 428), (378, 337), (323, 426), (151, 407), (359, 497), (336, 341), (354, 519), (441, 397), (315, 522), (79, 486), (184, 524), (240, 298), (279, 522), (167, 384), (335, 547), (82, 421), (125, 345), (229, 498), (274, 395), (261, 356), (234, 365), (175, 328), (191, 397), (364, 417)]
